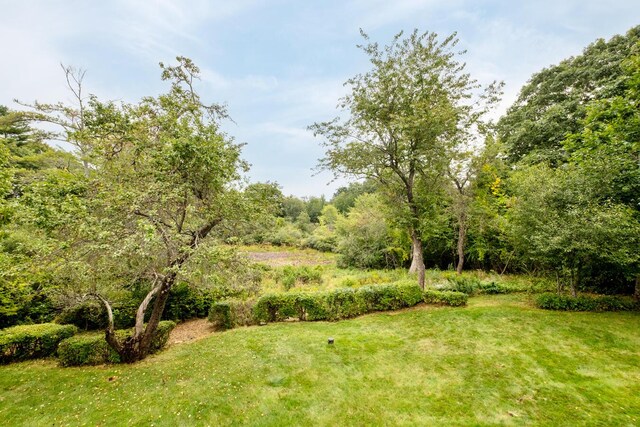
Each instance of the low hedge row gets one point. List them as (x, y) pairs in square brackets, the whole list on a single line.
[(92, 349), (232, 313), (551, 301), (452, 298), (32, 341), (332, 305)]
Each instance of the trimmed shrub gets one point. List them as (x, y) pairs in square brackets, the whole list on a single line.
[(276, 307), (454, 299), (92, 348), (220, 315), (229, 314), (551, 301), (86, 349), (337, 304), (344, 303), (312, 307), (32, 341), (390, 297)]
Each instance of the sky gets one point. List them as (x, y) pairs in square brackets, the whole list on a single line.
[(279, 65)]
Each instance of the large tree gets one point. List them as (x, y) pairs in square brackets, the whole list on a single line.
[(161, 177), (553, 102), (405, 115)]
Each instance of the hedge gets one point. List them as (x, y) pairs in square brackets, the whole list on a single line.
[(452, 298), (32, 341), (229, 314), (337, 304), (551, 301), (92, 349)]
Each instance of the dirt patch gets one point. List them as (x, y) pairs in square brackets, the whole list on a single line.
[(280, 259), (190, 330)]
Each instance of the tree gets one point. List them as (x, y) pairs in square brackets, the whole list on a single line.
[(607, 147), (314, 207), (345, 197), (162, 177), (552, 104), (560, 222), (365, 238), (404, 117)]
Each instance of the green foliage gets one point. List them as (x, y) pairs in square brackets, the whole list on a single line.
[(561, 223), (86, 316), (472, 285), (91, 315), (188, 302), (220, 315), (32, 341), (285, 234), (290, 276), (92, 349), (87, 349), (452, 298), (465, 284), (345, 197), (552, 104), (365, 239), (337, 304), (551, 301), (314, 208), (232, 313), (292, 207)]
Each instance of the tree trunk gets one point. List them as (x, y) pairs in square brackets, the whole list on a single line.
[(138, 346), (636, 291), (417, 258), (462, 236), (573, 283)]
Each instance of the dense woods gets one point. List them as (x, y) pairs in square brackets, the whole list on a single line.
[(151, 202)]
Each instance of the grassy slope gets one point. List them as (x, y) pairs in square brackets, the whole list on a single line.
[(496, 361)]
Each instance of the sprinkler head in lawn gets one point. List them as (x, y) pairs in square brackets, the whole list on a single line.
[(330, 341)]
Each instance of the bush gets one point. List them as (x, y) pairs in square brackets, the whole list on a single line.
[(91, 315), (337, 304), (390, 297), (32, 341), (493, 288), (86, 316), (344, 303), (86, 349), (290, 276), (229, 314), (92, 348), (452, 298), (465, 284), (550, 301), (187, 302)]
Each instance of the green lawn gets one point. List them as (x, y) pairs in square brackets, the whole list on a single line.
[(497, 361)]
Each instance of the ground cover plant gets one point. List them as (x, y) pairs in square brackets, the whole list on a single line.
[(497, 361)]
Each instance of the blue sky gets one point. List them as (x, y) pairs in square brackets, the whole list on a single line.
[(279, 65)]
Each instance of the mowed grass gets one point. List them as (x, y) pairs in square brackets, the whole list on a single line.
[(497, 361)]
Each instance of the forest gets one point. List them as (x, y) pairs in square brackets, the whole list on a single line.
[(148, 220)]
